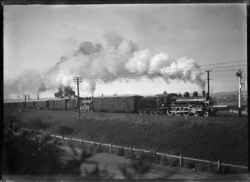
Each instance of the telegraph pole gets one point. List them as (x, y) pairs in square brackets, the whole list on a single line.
[(77, 80), (208, 92), (25, 101), (239, 74)]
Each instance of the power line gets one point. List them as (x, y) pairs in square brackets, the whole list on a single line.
[(226, 66), (177, 69), (148, 73), (218, 71), (224, 62)]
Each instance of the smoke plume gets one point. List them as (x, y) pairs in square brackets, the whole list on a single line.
[(64, 91), (42, 88), (118, 58)]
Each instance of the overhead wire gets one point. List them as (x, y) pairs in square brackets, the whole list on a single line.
[(138, 74), (224, 62)]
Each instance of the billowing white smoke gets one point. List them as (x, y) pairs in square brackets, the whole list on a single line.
[(161, 65), (122, 59), (118, 59)]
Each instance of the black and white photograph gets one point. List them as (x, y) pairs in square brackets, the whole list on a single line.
[(125, 92)]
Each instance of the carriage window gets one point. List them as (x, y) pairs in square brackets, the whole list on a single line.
[(54, 103)]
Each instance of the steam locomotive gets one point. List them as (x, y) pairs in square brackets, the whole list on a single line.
[(170, 104), (176, 104)]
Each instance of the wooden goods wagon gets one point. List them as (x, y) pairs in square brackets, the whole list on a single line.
[(59, 104), (42, 104), (116, 103), (97, 103), (31, 104)]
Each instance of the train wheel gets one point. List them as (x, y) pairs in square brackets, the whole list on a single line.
[(186, 112), (196, 114), (170, 112), (177, 112), (206, 114)]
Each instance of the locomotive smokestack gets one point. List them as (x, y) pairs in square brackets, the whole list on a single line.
[(37, 95), (203, 93)]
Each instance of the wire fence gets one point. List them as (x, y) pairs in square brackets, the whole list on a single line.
[(131, 149)]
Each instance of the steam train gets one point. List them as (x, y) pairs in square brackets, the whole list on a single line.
[(161, 104)]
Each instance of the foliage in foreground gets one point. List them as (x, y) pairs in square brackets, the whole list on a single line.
[(31, 153)]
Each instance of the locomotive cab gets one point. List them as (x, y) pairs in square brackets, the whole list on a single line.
[(164, 101)]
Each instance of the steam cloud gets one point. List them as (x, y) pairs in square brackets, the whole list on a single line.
[(120, 58)]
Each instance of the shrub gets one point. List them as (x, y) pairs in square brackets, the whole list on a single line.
[(130, 155), (121, 152), (43, 155), (106, 149), (201, 166), (189, 164), (98, 149), (147, 157), (32, 149), (167, 161), (211, 168)]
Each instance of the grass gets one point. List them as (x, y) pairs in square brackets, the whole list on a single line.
[(223, 138)]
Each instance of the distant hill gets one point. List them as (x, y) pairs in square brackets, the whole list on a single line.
[(226, 93), (230, 98)]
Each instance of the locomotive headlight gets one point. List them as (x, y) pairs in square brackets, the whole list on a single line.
[(162, 105)]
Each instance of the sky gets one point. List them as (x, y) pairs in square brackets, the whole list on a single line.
[(143, 49)]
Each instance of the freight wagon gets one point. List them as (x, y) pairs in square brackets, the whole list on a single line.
[(42, 104), (63, 104), (116, 103)]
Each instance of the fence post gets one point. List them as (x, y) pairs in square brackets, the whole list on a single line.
[(219, 166), (181, 160), (81, 142), (155, 156), (110, 150), (63, 138), (94, 144), (131, 150)]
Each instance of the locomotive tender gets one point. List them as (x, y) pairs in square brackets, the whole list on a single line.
[(170, 104)]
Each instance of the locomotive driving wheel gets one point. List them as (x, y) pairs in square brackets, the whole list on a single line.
[(196, 114), (206, 114), (186, 112), (170, 112), (178, 112)]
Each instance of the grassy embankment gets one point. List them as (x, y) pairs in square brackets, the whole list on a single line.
[(214, 138)]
